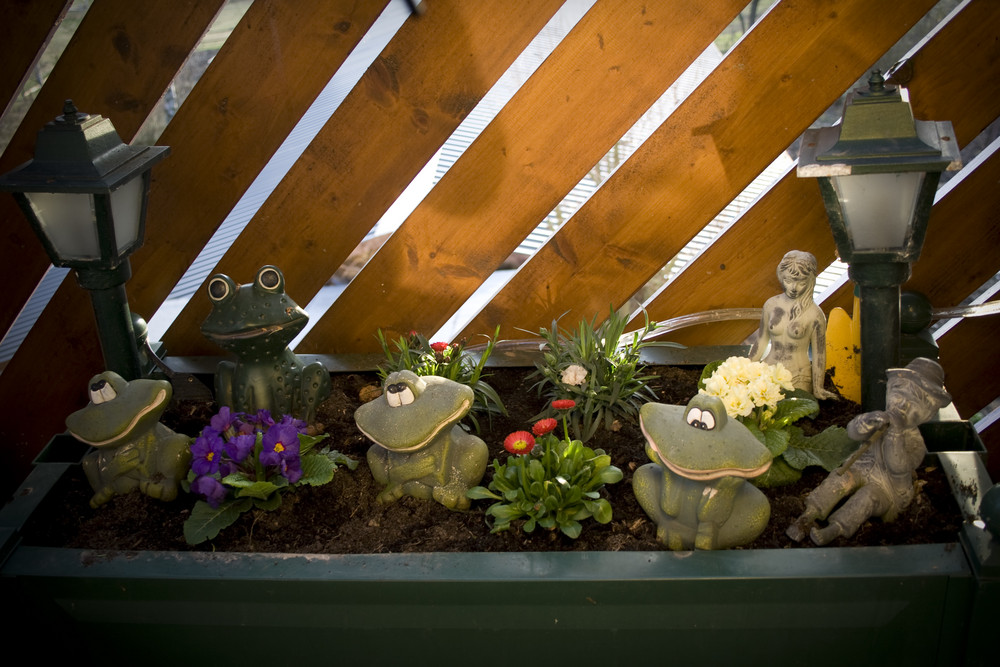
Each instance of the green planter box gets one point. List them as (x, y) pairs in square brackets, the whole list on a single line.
[(915, 605)]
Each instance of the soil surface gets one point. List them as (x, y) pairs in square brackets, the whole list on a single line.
[(343, 516)]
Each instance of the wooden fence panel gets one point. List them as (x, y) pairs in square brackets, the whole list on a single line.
[(118, 63), (611, 67), (435, 70), (792, 210), (767, 90), (273, 66)]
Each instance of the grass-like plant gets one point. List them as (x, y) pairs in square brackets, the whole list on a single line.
[(599, 368), (549, 483), (449, 360)]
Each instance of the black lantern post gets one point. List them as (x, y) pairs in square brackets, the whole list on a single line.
[(878, 173), (85, 195)]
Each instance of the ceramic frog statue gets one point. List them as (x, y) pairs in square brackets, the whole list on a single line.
[(132, 449), (420, 450), (696, 489), (256, 322)]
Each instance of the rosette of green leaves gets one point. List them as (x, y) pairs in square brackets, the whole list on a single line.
[(792, 450), (417, 354), (556, 486), (256, 491), (616, 385)]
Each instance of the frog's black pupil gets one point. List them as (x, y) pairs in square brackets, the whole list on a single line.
[(396, 388), (217, 289), (99, 385), (269, 279)]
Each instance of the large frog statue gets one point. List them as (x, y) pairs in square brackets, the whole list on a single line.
[(420, 450), (696, 489), (132, 449), (256, 322)]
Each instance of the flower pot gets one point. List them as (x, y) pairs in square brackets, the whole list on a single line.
[(918, 605)]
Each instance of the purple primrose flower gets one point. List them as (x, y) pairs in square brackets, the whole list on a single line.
[(239, 447), (210, 488), (280, 448), (206, 453)]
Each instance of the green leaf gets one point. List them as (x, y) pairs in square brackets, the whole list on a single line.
[(708, 371), (316, 470), (779, 474), (601, 509), (776, 441), (205, 521), (268, 504), (503, 512), (481, 493), (571, 528), (259, 490), (828, 449), (790, 410)]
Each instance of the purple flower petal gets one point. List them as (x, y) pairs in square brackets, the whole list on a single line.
[(209, 488), (206, 453)]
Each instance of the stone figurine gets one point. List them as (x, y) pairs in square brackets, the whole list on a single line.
[(696, 488), (132, 450), (420, 450), (878, 480), (794, 326), (256, 322)]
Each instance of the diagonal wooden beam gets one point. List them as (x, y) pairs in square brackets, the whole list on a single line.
[(431, 75), (118, 63), (25, 32), (769, 88), (612, 66)]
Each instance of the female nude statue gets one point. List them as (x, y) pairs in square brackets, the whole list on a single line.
[(792, 323)]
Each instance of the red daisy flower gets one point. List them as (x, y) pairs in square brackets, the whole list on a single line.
[(519, 442), (439, 346), (543, 426), (564, 404)]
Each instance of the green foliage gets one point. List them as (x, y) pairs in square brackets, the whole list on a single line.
[(791, 448), (249, 483), (599, 370), (556, 485), (417, 354)]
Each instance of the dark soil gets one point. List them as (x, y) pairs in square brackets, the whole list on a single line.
[(343, 517)]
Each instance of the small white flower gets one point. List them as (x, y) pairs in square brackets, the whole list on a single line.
[(574, 374)]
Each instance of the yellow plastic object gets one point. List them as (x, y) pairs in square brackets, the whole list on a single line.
[(843, 354)]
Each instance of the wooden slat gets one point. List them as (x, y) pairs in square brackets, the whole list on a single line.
[(971, 360), (118, 63), (609, 69), (417, 92), (792, 211), (273, 66), (773, 84), (25, 31)]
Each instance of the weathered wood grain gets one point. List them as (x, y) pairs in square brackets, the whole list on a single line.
[(430, 76), (616, 62), (770, 87)]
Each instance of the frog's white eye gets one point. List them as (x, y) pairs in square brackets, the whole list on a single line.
[(102, 392), (219, 288), (270, 278), (703, 419), (398, 394)]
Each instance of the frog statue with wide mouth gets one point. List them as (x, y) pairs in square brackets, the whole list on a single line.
[(696, 488), (132, 449), (256, 322), (420, 449)]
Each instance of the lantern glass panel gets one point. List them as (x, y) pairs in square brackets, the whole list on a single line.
[(69, 221), (126, 209), (878, 208)]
